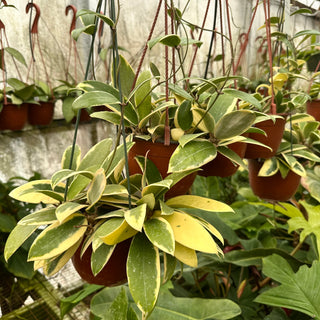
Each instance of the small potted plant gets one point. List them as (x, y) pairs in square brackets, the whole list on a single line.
[(14, 100), (92, 207), (278, 178)]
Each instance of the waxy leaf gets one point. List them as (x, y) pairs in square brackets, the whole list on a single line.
[(66, 158), (66, 209), (197, 202), (143, 271), (171, 40), (190, 233), (115, 230), (58, 238), (186, 255), (38, 191), (160, 233), (97, 187), (16, 239), (183, 115), (94, 98), (193, 155), (135, 217), (41, 217), (100, 257), (142, 95)]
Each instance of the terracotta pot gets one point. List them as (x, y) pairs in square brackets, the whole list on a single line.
[(114, 272), (160, 155), (313, 108), (221, 166), (273, 187), (84, 116), (313, 61), (13, 117), (274, 133), (40, 114)]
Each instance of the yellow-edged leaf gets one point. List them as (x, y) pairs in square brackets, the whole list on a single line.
[(67, 209), (32, 192), (135, 217), (186, 255), (190, 233), (115, 230), (197, 202), (58, 238), (97, 187), (41, 217)]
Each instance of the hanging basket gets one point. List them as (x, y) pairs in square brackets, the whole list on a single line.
[(274, 133), (274, 187), (13, 117), (114, 272), (40, 114), (313, 108), (221, 166), (160, 155)]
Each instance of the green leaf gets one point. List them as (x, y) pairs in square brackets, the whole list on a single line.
[(183, 115), (94, 98), (66, 158), (87, 29), (125, 74), (135, 217), (301, 11), (68, 208), (234, 124), (119, 307), (142, 95), (171, 40), (220, 106), (203, 120), (16, 239), (312, 182), (67, 304), (170, 307), (312, 225), (41, 217), (65, 174), (58, 238), (96, 187), (298, 291), (100, 257), (243, 96), (269, 168), (143, 270), (16, 54), (180, 92), (160, 233), (192, 155)]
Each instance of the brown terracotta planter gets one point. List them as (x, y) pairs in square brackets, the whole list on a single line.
[(40, 114), (274, 133), (160, 155), (13, 117), (221, 166), (114, 272), (313, 108), (273, 187), (84, 116)]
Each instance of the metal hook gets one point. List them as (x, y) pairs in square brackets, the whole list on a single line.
[(34, 28), (73, 22)]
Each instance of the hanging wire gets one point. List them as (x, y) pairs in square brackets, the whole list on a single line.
[(116, 63), (79, 111), (212, 38), (30, 34)]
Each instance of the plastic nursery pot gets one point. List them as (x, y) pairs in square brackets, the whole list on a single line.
[(274, 133), (221, 166), (313, 108), (273, 187), (13, 117), (160, 155), (40, 114), (114, 272)]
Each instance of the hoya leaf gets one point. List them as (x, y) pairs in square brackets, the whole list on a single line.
[(160, 233), (100, 257), (94, 98), (142, 95), (68, 208), (41, 217), (135, 217), (186, 255), (97, 187), (58, 238), (143, 271), (171, 40)]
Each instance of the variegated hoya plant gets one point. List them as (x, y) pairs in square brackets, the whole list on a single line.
[(90, 204)]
